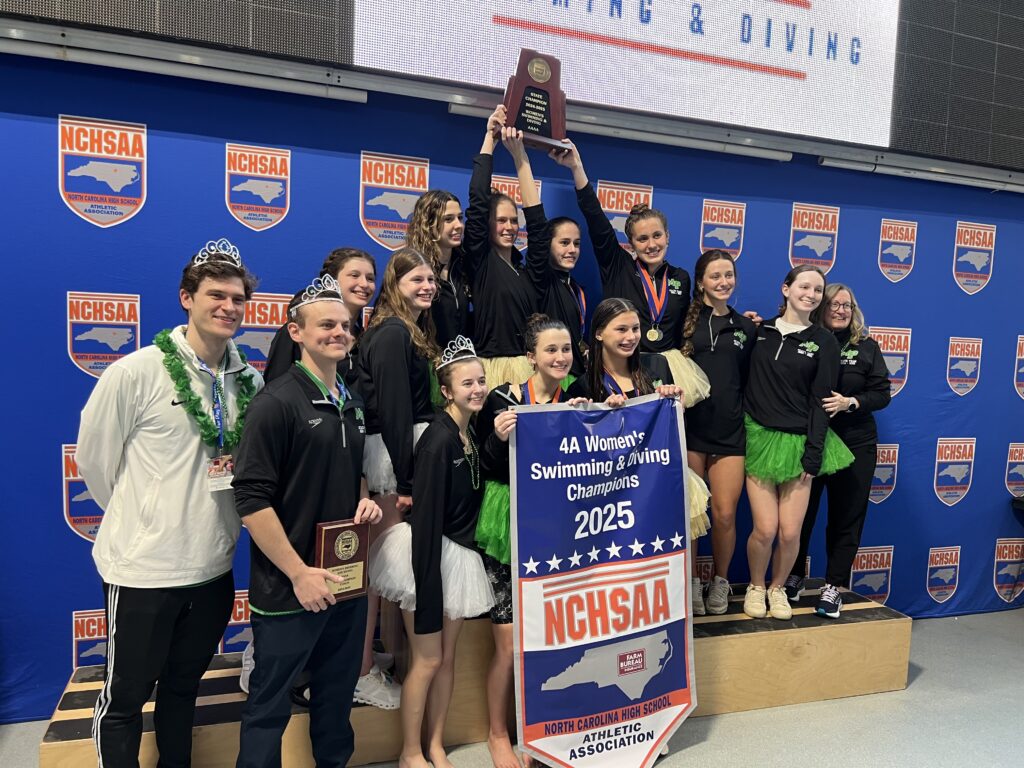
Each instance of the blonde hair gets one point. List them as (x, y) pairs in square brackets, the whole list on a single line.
[(858, 330)]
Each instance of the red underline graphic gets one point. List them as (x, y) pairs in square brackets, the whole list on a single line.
[(635, 45), (805, 4)]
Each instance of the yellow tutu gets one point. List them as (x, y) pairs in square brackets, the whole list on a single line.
[(688, 375), (511, 370), (698, 497)]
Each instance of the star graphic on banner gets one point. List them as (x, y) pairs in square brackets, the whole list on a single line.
[(593, 555), (613, 550), (531, 565), (658, 544), (677, 541), (553, 563), (574, 561), (637, 547)]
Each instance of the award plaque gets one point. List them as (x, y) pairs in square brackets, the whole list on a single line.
[(341, 548), (534, 101)]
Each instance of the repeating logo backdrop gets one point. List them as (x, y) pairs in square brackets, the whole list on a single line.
[(354, 172)]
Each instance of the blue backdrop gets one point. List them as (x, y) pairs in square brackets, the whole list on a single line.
[(50, 621)]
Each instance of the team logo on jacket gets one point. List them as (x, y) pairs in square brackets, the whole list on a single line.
[(102, 328), (897, 243), (871, 574), (81, 511), (88, 638), (721, 226), (895, 346), (265, 313), (1008, 571), (943, 572), (102, 168), (257, 184), (973, 255), (238, 633), (389, 186), (509, 185), (1018, 367), (963, 364), (1015, 470), (814, 235), (954, 468), (617, 199), (883, 482)]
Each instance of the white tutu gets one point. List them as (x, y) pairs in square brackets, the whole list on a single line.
[(698, 497), (377, 466), (688, 375), (467, 590)]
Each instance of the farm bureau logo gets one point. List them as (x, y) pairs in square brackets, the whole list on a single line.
[(943, 572), (1018, 368), (895, 346), (265, 313), (963, 364), (238, 633), (897, 244), (88, 638), (974, 255), (81, 512), (389, 186), (102, 168), (257, 184), (1008, 570), (102, 328), (871, 573), (883, 481), (617, 199), (509, 185), (1015, 470), (814, 236), (721, 226), (954, 468)]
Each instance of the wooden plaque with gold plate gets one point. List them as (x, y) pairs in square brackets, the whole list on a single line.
[(534, 101), (342, 548)]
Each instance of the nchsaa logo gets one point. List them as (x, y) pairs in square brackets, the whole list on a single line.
[(102, 328), (81, 512), (954, 468), (895, 346), (265, 313), (617, 199), (883, 481), (814, 236), (389, 186), (897, 244), (721, 226), (1018, 367), (88, 638), (871, 573), (963, 364), (1008, 569), (257, 184), (238, 633), (974, 255), (102, 168), (943, 572), (1015, 470), (509, 185)]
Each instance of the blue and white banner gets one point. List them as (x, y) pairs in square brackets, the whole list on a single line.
[(600, 547)]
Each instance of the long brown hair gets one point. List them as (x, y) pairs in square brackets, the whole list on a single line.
[(425, 225), (607, 311), (391, 302), (697, 304)]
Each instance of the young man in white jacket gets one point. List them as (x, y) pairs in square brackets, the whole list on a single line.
[(155, 448)]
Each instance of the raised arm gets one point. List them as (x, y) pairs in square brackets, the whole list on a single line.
[(611, 256), (538, 247), (476, 242)]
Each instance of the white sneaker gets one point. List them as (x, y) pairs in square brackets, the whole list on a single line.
[(778, 604), (248, 664), (718, 595), (753, 602), (697, 596), (378, 690)]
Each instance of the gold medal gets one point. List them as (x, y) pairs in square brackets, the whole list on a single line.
[(655, 334)]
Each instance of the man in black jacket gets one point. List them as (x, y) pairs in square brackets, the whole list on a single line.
[(300, 464)]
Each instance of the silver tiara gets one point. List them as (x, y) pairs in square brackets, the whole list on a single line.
[(460, 348), (315, 292), (221, 250)]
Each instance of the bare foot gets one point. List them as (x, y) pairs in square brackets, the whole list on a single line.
[(502, 754), (413, 761), (439, 758)]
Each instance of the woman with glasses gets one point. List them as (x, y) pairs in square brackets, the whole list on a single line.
[(863, 388)]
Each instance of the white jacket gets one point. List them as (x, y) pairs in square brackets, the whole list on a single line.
[(145, 465)]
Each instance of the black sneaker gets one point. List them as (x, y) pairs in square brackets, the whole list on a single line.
[(830, 603), (794, 587)]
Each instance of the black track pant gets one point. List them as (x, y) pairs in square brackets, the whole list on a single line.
[(848, 491), (162, 637), (330, 645)]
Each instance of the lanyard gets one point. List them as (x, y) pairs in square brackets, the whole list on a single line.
[(581, 302), (337, 402), (656, 302), (220, 411), (611, 386), (529, 398)]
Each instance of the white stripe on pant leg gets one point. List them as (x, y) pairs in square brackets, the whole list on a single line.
[(103, 700)]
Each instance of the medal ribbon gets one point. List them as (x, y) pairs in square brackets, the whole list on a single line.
[(219, 401), (656, 299), (611, 386), (338, 403), (530, 397), (581, 303)]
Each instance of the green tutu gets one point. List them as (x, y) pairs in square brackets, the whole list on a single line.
[(493, 531), (435, 389), (775, 456)]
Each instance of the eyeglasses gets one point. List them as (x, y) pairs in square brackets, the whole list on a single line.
[(835, 306)]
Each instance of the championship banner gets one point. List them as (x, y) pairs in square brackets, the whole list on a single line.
[(600, 552), (617, 200), (509, 185)]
